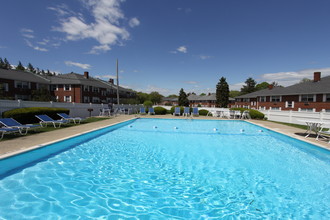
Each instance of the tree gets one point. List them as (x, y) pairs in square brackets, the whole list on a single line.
[(155, 97), (222, 93), (202, 94), (305, 80), (7, 64), (173, 96), (30, 68), (42, 95), (234, 93), (263, 85), (183, 98), (249, 87), (20, 66), (142, 97)]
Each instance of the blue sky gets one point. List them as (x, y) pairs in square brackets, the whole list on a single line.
[(165, 45)]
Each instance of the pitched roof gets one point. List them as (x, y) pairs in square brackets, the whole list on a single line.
[(320, 87), (23, 76)]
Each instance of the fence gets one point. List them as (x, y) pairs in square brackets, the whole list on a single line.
[(76, 109)]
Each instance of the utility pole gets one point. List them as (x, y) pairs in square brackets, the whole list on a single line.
[(117, 84)]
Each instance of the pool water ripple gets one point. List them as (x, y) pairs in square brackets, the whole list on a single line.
[(191, 172)]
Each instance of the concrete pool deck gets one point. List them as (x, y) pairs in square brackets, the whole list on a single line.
[(24, 143)]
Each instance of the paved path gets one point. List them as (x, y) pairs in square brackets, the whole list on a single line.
[(24, 143)]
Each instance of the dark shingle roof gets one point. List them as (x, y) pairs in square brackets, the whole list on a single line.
[(320, 87), (22, 76)]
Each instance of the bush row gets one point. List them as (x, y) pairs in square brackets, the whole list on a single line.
[(27, 115), (255, 114)]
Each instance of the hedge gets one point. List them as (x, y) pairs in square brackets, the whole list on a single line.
[(27, 115), (255, 114), (160, 111), (204, 112)]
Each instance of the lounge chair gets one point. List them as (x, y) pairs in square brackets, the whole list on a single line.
[(186, 111), (324, 132), (65, 116), (195, 112), (142, 110), (12, 123), (5, 130), (151, 111), (177, 111), (246, 115), (45, 119)]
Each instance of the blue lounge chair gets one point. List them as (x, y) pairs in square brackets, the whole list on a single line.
[(65, 116), (195, 112), (142, 110), (12, 123), (151, 111), (5, 130), (186, 111), (45, 119), (177, 111)]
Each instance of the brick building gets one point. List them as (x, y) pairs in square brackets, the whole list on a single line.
[(308, 96), (71, 87)]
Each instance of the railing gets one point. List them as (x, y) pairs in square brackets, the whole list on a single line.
[(76, 109)]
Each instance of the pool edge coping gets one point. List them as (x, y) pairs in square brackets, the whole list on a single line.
[(34, 147)]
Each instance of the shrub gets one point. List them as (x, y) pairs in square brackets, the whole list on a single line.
[(147, 104), (255, 114), (27, 115), (160, 111), (204, 112)]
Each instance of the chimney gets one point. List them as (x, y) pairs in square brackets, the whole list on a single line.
[(111, 81), (317, 76), (270, 86), (86, 75)]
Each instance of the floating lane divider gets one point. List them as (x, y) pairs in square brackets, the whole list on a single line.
[(17, 162)]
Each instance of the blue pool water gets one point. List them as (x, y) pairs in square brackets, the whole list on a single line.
[(179, 169)]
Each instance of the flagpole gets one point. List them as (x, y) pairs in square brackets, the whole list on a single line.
[(117, 84)]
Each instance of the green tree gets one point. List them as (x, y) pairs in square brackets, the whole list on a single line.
[(202, 94), (142, 97), (183, 98), (42, 95), (30, 68), (20, 66), (222, 93), (249, 87), (2, 64), (263, 85), (234, 93), (305, 80), (173, 96), (147, 103), (155, 97), (7, 64)]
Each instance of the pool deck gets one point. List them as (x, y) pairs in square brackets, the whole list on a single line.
[(25, 143)]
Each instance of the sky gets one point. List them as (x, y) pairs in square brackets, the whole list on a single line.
[(166, 45)]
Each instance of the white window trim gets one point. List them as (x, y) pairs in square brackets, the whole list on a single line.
[(64, 87), (70, 98)]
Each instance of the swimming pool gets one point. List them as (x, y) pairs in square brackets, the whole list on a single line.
[(160, 169)]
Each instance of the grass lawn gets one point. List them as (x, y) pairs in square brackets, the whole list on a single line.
[(292, 125), (51, 128)]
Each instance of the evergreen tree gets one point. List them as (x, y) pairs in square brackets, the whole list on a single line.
[(2, 64), (20, 66), (7, 64), (249, 87), (222, 93), (183, 98), (30, 68)]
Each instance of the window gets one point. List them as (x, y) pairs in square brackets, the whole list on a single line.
[(53, 87), (289, 104), (104, 92), (327, 97), (67, 98), (96, 89), (96, 99), (86, 99), (67, 87), (22, 85), (86, 88), (22, 97), (307, 98), (275, 108), (4, 87), (246, 100), (275, 98), (262, 98), (306, 109)]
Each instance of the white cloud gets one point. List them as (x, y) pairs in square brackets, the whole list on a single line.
[(27, 33), (80, 65), (290, 78), (106, 76), (236, 86), (204, 57), (182, 49), (134, 22), (190, 82), (105, 27), (152, 88), (35, 47)]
